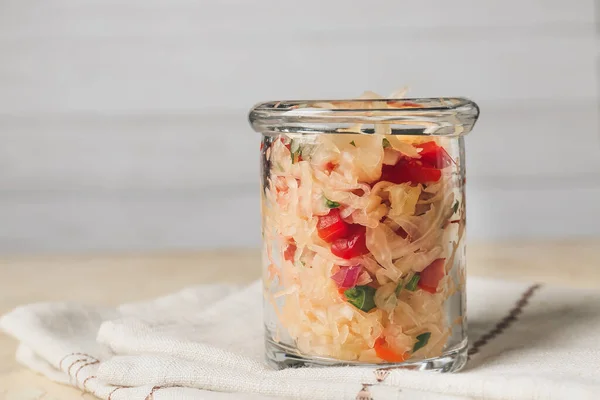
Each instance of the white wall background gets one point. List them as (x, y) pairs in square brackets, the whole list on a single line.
[(123, 123)]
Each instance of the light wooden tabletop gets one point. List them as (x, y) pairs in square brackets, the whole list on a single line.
[(105, 279)]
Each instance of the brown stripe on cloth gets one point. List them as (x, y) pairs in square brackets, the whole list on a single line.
[(75, 376), (506, 321), (151, 394), (157, 388), (85, 381), (382, 373), (113, 391), (60, 364)]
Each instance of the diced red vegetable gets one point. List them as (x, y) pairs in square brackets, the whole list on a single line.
[(422, 174), (401, 232), (347, 277), (433, 155), (383, 351), (358, 192), (290, 252), (432, 274), (282, 140), (388, 173), (351, 246), (410, 171), (331, 226)]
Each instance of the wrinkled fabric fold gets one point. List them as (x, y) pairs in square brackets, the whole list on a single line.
[(206, 342)]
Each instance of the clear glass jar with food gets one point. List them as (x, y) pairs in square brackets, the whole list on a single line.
[(363, 225)]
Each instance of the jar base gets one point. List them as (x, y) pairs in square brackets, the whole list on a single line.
[(279, 357)]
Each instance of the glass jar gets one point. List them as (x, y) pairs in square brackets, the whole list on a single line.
[(363, 226)]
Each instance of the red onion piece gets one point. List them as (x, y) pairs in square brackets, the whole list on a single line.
[(347, 277)]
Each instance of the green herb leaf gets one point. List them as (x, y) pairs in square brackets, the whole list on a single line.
[(412, 284), (455, 207), (361, 297), (331, 204), (422, 340), (294, 146), (398, 288), (295, 150), (386, 143), (352, 143)]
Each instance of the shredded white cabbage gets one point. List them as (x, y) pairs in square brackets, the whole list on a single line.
[(407, 227)]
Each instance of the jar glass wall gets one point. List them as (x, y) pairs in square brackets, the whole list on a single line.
[(363, 224)]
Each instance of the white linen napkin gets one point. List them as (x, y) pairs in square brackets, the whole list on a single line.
[(206, 342)]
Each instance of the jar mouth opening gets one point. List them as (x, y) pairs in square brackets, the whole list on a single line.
[(443, 116)]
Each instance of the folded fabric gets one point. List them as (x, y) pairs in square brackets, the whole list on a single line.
[(206, 342)]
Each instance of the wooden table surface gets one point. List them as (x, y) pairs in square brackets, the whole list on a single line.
[(105, 279)]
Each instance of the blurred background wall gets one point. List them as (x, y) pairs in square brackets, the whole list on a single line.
[(123, 123)]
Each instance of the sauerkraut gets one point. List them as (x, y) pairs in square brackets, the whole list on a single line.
[(360, 234)]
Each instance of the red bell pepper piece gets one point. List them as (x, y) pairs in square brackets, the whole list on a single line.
[(351, 246), (331, 226), (431, 275), (290, 252), (422, 174), (383, 351), (434, 156), (410, 171)]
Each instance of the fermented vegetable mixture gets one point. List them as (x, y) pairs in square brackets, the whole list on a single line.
[(360, 234)]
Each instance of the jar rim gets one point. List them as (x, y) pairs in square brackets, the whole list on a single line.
[(441, 116)]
